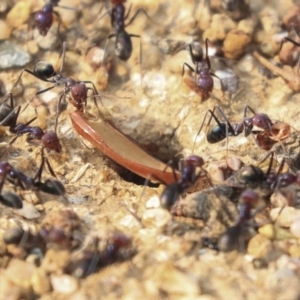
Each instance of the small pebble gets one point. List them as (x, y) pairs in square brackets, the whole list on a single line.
[(28, 211), (56, 260), (275, 232), (259, 246), (64, 283), (170, 279), (246, 63), (156, 217), (220, 26), (19, 272), (40, 282), (153, 202), (13, 56), (19, 14), (235, 44), (283, 283), (5, 30), (294, 250), (295, 227), (284, 216)]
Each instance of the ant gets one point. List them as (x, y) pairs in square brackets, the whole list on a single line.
[(94, 258), (188, 177), (204, 82), (45, 71), (19, 179), (43, 18), (230, 239), (271, 133), (123, 43), (8, 118)]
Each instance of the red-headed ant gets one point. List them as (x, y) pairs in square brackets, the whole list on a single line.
[(8, 118), (43, 18), (95, 256), (188, 177), (19, 179), (78, 89), (203, 83), (271, 133)]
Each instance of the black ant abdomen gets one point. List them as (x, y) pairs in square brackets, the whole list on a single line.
[(44, 70)]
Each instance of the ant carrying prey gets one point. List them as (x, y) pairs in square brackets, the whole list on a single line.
[(270, 133)]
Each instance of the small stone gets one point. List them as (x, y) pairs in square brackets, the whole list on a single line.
[(16, 251), (13, 56), (283, 283), (19, 272), (247, 25), (295, 227), (64, 284), (170, 279), (220, 26), (56, 260), (19, 14), (246, 64), (230, 81), (284, 216), (285, 197), (275, 232), (259, 246), (153, 202), (294, 250), (2, 243), (40, 282), (235, 44), (156, 217), (28, 211), (5, 30), (9, 290)]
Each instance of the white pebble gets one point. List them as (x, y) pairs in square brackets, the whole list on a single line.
[(64, 284), (153, 202), (28, 211)]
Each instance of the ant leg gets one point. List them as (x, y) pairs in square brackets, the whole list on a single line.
[(221, 83), (14, 111), (247, 107), (63, 55), (140, 58), (31, 73), (206, 51), (58, 110), (105, 47), (128, 12), (136, 14), (173, 171), (288, 40)]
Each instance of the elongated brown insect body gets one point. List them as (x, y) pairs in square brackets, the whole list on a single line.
[(122, 149)]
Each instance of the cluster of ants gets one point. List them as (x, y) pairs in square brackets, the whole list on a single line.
[(265, 132)]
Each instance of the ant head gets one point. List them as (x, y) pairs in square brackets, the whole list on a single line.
[(248, 126), (51, 141), (262, 121), (79, 92)]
